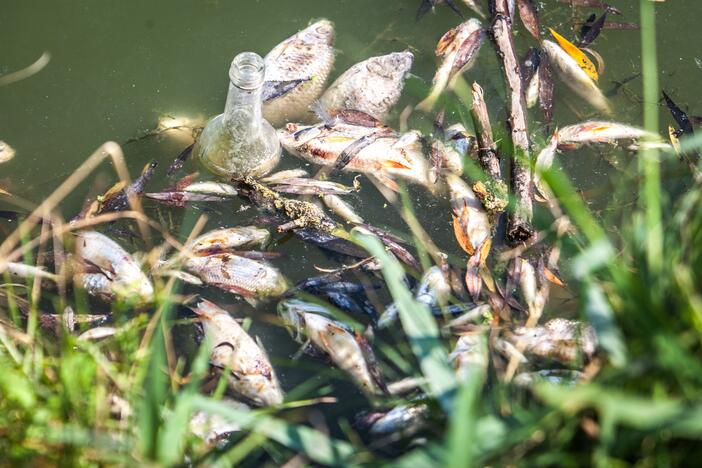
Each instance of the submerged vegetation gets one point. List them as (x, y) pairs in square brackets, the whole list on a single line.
[(100, 374)]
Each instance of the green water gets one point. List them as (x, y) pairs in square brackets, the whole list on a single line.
[(117, 66)]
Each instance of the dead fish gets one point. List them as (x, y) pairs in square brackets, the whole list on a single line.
[(217, 189), (597, 131), (213, 428), (282, 175), (565, 377), (533, 286), (226, 239), (433, 290), (252, 279), (308, 186), (470, 353), (21, 270), (6, 152), (372, 86), (108, 271), (97, 333), (458, 49), (252, 376), (341, 208), (531, 77), (180, 160), (305, 59), (472, 228), (529, 17), (331, 243), (544, 161), (592, 29), (385, 158), (181, 198), (575, 77), (680, 117), (332, 338), (402, 420), (559, 339)]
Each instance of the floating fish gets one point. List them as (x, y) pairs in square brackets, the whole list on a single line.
[(332, 338), (304, 59), (106, 270), (181, 198), (472, 228), (213, 428), (308, 186), (575, 77), (252, 279), (21, 270), (597, 131), (403, 420), (222, 240), (283, 175), (565, 377), (6, 152), (470, 353), (679, 115), (216, 189), (385, 158), (433, 291), (372, 86), (252, 376), (342, 209), (559, 339), (458, 49), (529, 17), (544, 161)]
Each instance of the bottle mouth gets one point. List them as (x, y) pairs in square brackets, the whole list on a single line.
[(247, 71)]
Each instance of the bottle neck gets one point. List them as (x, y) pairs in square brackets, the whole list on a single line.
[(243, 105)]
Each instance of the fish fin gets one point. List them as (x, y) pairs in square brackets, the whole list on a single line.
[(387, 182), (473, 281), (461, 236), (445, 42), (275, 89), (576, 54), (552, 277)]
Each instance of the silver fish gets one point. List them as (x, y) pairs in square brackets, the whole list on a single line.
[(597, 131), (6, 152), (342, 208), (22, 270), (386, 158), (252, 376), (471, 221), (213, 428), (575, 77), (565, 377), (245, 277), (559, 339), (330, 337), (305, 60), (372, 86), (218, 189), (433, 290), (221, 240), (98, 333), (544, 161), (470, 353), (117, 275), (285, 174), (458, 49), (403, 419)]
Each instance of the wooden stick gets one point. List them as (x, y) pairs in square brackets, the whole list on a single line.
[(519, 228), (494, 197)]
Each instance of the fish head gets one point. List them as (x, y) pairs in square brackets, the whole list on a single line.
[(394, 66), (319, 32), (452, 40), (262, 390), (291, 315)]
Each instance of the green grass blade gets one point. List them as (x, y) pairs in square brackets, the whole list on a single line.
[(312, 443), (417, 322)]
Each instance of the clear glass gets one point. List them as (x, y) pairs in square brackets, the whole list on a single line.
[(240, 141)]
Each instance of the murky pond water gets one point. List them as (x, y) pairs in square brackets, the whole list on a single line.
[(117, 66)]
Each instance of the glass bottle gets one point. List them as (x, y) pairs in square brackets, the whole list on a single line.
[(240, 141)]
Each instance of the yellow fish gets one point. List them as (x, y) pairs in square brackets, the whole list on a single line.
[(577, 54)]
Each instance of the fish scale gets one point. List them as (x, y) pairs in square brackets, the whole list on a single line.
[(307, 55)]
